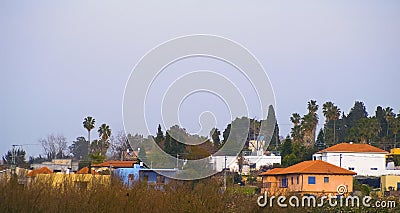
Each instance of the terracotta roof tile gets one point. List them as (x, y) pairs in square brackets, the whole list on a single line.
[(85, 170), (113, 163), (43, 170), (353, 147), (310, 167), (272, 171)]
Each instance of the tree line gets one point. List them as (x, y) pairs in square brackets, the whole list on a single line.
[(380, 130)]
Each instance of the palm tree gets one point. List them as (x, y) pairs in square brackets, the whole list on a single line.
[(395, 127), (297, 133), (312, 106), (331, 113), (310, 122), (366, 130), (88, 124), (295, 119), (104, 133), (389, 116)]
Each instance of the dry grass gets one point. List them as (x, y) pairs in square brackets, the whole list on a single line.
[(177, 196)]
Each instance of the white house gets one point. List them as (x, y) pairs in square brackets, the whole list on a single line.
[(364, 159), (218, 162)]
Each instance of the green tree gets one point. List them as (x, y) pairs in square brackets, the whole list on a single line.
[(380, 116), (320, 143), (275, 141), (356, 113), (366, 130), (331, 113), (167, 144), (389, 117), (296, 132), (79, 148), (215, 133), (226, 133), (88, 124), (395, 128), (160, 135), (104, 134), (19, 156), (309, 123), (286, 148)]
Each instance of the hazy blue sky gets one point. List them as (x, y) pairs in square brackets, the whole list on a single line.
[(64, 60)]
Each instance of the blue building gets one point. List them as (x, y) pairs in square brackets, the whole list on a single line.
[(141, 174)]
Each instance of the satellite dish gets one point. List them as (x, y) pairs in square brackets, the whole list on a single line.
[(261, 138)]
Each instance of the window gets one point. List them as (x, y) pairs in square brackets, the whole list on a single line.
[(298, 179), (284, 183), (374, 168), (131, 177), (351, 168), (326, 179), (292, 180), (311, 179)]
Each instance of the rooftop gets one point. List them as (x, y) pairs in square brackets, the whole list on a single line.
[(310, 167), (43, 170), (85, 170), (353, 147), (116, 164)]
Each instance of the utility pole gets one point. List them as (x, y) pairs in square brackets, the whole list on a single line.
[(177, 161), (225, 175), (13, 156)]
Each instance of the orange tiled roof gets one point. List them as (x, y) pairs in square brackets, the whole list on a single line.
[(114, 163), (272, 171), (85, 170), (43, 170), (310, 167), (353, 147)]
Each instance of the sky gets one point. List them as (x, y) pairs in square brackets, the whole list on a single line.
[(62, 61)]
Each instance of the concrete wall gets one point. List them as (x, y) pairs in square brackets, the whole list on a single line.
[(218, 162), (273, 184), (364, 164), (389, 181)]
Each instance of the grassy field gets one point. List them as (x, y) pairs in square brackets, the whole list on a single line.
[(178, 196)]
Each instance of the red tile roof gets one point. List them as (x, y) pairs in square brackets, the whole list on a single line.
[(43, 170), (353, 147), (310, 167), (85, 170), (114, 163)]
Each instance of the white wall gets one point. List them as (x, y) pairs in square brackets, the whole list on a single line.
[(363, 163), (218, 162)]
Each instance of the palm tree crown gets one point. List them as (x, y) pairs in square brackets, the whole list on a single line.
[(104, 132), (88, 124)]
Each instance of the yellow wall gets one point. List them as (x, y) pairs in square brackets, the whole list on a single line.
[(272, 184), (389, 181), (75, 180), (395, 151)]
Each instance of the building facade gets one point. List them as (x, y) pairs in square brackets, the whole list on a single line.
[(364, 159), (308, 177)]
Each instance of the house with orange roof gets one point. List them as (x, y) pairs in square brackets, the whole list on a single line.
[(309, 177), (364, 159)]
